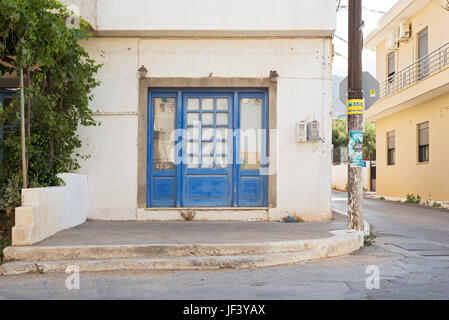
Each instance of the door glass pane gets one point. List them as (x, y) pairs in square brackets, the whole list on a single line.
[(222, 104), (193, 118), (222, 133), (222, 147), (207, 148), (193, 162), (221, 161), (207, 161), (193, 147), (250, 133), (193, 133), (207, 104), (193, 104), (207, 133), (222, 118), (163, 137), (207, 118)]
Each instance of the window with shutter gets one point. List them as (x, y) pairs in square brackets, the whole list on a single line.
[(391, 64), (423, 50), (423, 142), (391, 147)]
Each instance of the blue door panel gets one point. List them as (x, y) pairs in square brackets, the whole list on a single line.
[(164, 188), (207, 188), (250, 187)]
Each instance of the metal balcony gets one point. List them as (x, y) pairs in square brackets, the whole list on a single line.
[(416, 72)]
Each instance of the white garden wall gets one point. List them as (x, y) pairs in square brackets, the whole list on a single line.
[(45, 211)]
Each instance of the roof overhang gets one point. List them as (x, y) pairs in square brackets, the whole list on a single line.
[(400, 12)]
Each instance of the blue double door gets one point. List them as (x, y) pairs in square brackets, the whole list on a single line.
[(207, 148)]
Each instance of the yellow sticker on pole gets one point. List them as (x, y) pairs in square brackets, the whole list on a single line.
[(355, 106)]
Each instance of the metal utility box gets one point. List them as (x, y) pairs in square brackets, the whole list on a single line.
[(301, 131), (313, 131)]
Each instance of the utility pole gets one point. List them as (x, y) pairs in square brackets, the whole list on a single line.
[(22, 130), (355, 109)]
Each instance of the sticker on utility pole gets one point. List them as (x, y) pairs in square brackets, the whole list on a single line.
[(356, 148), (355, 106)]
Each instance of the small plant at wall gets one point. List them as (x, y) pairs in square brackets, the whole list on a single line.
[(436, 204), (427, 202), (188, 215), (410, 198), (369, 238), (59, 80), (381, 198)]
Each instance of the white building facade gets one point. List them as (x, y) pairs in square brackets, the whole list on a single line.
[(173, 138)]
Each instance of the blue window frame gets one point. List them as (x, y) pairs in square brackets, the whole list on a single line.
[(206, 162)]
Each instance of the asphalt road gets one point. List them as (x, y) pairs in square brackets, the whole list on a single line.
[(411, 254)]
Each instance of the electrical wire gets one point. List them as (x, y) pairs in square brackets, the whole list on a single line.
[(344, 40), (366, 8)]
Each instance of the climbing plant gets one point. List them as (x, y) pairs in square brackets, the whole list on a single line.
[(35, 35)]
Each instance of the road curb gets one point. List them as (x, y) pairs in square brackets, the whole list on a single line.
[(366, 225)]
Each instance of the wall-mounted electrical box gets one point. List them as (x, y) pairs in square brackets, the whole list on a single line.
[(313, 131), (301, 131)]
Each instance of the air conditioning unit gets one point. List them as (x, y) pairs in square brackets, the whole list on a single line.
[(404, 31), (392, 41)]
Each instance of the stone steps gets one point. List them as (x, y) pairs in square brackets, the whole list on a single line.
[(177, 256)]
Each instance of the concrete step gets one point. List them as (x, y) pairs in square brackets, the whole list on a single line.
[(172, 263), (100, 252), (177, 256)]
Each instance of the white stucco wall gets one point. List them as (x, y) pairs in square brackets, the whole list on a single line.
[(209, 17), (45, 211), (304, 93), (340, 176)]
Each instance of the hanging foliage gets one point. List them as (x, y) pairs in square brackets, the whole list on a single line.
[(34, 36)]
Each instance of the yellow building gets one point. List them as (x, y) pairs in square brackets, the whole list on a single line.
[(412, 115)]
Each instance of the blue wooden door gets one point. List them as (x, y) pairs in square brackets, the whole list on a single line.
[(207, 151), (251, 169), (207, 148), (162, 164)]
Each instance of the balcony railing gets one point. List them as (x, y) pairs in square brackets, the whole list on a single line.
[(418, 71)]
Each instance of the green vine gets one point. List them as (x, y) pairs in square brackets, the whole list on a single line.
[(34, 36)]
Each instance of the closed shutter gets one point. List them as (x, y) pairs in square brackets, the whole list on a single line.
[(423, 43), (423, 134), (391, 64), (391, 140)]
